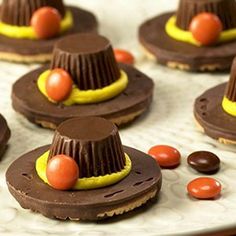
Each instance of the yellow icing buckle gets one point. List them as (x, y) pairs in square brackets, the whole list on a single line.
[(86, 183), (27, 32), (186, 36), (87, 96), (229, 106)]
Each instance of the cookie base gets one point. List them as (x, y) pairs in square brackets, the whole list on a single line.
[(180, 55), (211, 117), (140, 186), (29, 51), (122, 109), (4, 135)]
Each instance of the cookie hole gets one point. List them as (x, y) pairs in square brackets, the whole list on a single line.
[(203, 100), (203, 107), (204, 114), (112, 194), (29, 177), (125, 93), (147, 180), (61, 105), (138, 183), (138, 172)]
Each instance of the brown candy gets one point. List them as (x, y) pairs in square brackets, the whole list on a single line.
[(204, 162)]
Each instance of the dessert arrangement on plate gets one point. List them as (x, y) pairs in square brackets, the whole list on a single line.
[(29, 29), (199, 36), (83, 79), (5, 134), (215, 110), (85, 174)]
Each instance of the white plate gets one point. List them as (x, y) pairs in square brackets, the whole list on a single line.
[(170, 121)]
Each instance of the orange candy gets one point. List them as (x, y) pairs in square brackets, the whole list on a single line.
[(62, 172), (204, 188), (59, 85), (206, 28), (46, 22), (166, 156), (123, 56)]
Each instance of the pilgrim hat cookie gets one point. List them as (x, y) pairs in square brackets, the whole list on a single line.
[(200, 36), (85, 174), (83, 79), (29, 29), (4, 135), (215, 110)]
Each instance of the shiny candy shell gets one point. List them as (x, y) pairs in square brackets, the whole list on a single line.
[(59, 85), (206, 28), (46, 22), (204, 188), (62, 172), (123, 56), (166, 156)]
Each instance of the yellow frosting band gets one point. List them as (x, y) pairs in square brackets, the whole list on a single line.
[(27, 32), (87, 96), (229, 106), (86, 183), (186, 36)]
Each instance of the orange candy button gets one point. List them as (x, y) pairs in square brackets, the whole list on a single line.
[(46, 22), (204, 188), (206, 28), (166, 156), (124, 56), (62, 172), (59, 85)]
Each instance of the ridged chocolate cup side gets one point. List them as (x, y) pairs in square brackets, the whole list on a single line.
[(230, 91), (19, 12), (224, 9), (89, 58), (94, 143)]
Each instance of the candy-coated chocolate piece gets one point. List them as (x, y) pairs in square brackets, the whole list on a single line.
[(124, 56), (62, 172), (204, 188), (203, 161), (206, 28), (59, 85), (46, 22), (166, 156)]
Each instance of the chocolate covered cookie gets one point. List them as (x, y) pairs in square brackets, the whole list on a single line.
[(111, 179), (89, 82), (4, 135), (215, 110), (29, 29), (200, 36)]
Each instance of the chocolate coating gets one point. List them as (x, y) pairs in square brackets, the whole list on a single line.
[(204, 162), (19, 12), (230, 91), (4, 135), (27, 100), (210, 115), (168, 51), (89, 59), (93, 142), (190, 8), (32, 193), (84, 21)]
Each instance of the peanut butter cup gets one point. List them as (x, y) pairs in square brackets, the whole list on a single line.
[(102, 87), (167, 38), (95, 145), (4, 135), (215, 110), (18, 41)]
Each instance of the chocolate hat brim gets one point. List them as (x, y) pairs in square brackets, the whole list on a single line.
[(135, 99), (26, 50), (32, 193), (4, 135), (212, 118), (173, 53)]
